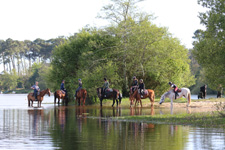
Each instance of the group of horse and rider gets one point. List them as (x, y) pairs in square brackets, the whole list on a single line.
[(137, 91)]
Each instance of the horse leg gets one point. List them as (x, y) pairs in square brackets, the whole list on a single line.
[(140, 102), (136, 103), (58, 100), (83, 101), (28, 103), (101, 102), (113, 102), (78, 101), (171, 102)]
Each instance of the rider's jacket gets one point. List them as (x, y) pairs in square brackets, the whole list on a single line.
[(141, 86), (36, 88), (135, 83), (80, 84), (62, 87), (106, 85), (174, 87)]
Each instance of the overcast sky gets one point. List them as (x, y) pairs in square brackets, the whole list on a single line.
[(31, 19)]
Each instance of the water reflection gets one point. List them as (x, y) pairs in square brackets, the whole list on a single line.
[(73, 127)]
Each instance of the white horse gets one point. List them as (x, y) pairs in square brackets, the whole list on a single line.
[(171, 95)]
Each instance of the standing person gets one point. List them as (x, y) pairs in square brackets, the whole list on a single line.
[(105, 86), (62, 87), (203, 90), (134, 84), (175, 88), (79, 87), (219, 91), (141, 87), (36, 90)]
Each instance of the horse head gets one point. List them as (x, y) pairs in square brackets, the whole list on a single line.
[(99, 92), (48, 92), (162, 99)]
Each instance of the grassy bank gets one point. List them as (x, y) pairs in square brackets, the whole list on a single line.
[(211, 119)]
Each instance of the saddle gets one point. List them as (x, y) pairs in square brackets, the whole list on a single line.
[(143, 92), (179, 90)]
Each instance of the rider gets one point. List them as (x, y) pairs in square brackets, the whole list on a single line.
[(141, 87), (36, 90), (175, 89), (105, 86), (62, 88), (134, 84), (79, 87)]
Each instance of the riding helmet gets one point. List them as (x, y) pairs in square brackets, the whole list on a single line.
[(170, 82)]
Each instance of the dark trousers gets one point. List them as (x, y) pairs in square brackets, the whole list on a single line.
[(35, 94)]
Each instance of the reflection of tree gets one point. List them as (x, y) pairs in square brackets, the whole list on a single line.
[(81, 132)]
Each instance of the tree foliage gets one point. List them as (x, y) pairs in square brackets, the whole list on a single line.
[(209, 45), (151, 54)]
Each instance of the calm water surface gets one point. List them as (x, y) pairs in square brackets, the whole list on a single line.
[(71, 127)]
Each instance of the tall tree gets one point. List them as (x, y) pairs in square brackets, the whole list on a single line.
[(210, 43)]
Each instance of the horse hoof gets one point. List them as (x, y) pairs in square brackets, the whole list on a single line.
[(160, 103)]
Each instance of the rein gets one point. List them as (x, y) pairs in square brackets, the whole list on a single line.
[(42, 93)]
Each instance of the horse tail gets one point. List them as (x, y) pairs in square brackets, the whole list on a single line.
[(189, 97), (120, 97), (55, 97)]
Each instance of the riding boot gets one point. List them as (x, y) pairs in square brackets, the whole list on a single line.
[(176, 95)]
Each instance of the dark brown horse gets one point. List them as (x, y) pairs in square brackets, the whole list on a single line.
[(81, 96), (40, 97), (115, 95), (60, 95), (137, 96)]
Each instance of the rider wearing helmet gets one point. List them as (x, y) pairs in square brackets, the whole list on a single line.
[(175, 88), (79, 86), (134, 84), (141, 87)]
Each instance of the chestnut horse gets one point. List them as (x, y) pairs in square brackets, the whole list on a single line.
[(81, 96), (60, 95), (40, 97), (115, 94), (137, 96)]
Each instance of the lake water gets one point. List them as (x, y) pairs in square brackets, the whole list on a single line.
[(72, 127)]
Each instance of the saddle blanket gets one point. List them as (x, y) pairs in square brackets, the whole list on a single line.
[(109, 90)]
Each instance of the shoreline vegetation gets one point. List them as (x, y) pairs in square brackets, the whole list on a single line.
[(201, 113)]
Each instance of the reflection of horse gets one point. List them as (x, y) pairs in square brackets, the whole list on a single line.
[(150, 94), (60, 95), (40, 97), (115, 94), (171, 95), (36, 117), (81, 96)]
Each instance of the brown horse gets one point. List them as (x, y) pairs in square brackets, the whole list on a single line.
[(40, 97), (137, 96), (81, 96), (115, 94), (60, 95)]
